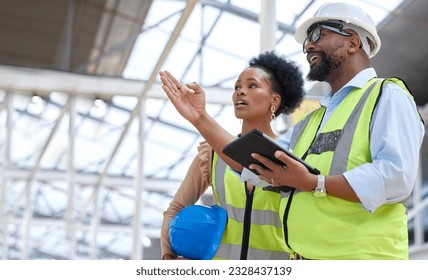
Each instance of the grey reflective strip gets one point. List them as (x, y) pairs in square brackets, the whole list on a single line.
[(343, 148), (233, 252), (258, 217), (298, 130), (220, 169)]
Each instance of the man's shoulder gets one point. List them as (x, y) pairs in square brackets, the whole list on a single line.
[(395, 84)]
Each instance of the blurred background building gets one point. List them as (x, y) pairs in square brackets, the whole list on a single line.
[(91, 151)]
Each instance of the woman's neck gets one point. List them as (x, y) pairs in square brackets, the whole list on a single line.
[(262, 126)]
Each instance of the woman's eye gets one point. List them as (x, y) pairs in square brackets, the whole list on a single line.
[(253, 86), (237, 87)]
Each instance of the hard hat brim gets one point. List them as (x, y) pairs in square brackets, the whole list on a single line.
[(217, 236)]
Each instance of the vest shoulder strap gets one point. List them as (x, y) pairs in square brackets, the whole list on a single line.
[(403, 85)]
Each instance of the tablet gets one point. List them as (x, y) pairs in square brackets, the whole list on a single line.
[(256, 141)]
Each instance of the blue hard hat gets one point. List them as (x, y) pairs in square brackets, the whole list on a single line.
[(196, 231)]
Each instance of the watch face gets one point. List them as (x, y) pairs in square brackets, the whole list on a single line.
[(318, 193)]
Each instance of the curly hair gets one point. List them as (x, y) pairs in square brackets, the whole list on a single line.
[(286, 78)]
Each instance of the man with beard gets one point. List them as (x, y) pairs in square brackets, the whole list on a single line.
[(365, 139)]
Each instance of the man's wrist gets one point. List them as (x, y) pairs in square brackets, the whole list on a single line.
[(311, 182)]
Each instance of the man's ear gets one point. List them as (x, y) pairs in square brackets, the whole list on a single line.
[(355, 43)]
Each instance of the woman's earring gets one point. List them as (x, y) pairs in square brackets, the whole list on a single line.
[(272, 109)]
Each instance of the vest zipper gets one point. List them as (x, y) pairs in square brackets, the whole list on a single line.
[(247, 222), (285, 218)]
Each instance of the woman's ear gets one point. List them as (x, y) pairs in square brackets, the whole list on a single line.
[(276, 100)]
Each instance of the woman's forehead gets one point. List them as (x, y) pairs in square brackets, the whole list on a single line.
[(255, 72)]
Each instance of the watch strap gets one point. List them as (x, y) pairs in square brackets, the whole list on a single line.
[(320, 190)]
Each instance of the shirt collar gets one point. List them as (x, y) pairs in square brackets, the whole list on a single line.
[(358, 81)]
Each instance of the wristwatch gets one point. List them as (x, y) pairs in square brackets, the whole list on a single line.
[(320, 190)]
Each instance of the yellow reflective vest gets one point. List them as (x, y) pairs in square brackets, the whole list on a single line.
[(254, 229), (330, 227)]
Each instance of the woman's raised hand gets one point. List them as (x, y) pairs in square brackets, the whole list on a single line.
[(189, 99)]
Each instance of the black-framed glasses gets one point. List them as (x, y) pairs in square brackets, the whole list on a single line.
[(315, 32)]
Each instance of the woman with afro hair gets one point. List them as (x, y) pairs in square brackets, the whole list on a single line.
[(271, 85)]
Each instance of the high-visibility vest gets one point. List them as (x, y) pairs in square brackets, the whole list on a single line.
[(254, 229), (330, 227)]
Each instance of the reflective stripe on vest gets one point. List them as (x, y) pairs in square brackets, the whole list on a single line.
[(234, 251), (333, 228), (266, 236)]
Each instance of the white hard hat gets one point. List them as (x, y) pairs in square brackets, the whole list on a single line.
[(350, 14)]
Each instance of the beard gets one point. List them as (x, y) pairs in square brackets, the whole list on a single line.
[(322, 71)]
